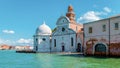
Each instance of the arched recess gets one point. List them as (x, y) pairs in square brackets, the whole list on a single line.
[(79, 47), (100, 49)]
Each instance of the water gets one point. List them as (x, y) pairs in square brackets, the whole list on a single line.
[(10, 59)]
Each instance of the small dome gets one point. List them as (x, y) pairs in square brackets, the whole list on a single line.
[(43, 30)]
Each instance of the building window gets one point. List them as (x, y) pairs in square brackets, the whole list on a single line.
[(82, 29), (116, 26), (63, 29), (104, 28), (54, 42), (90, 29), (36, 40), (43, 39), (71, 41)]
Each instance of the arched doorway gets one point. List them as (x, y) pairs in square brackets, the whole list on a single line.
[(78, 47), (100, 49), (63, 48)]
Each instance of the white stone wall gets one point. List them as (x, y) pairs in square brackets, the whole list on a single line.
[(66, 39), (43, 45), (97, 30), (115, 34), (103, 36), (63, 37), (97, 34)]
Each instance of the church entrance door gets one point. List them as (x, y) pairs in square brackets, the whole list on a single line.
[(63, 48)]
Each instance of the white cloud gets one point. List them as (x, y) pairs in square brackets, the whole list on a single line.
[(25, 41), (9, 42), (90, 16), (8, 31), (106, 9), (21, 41), (93, 15)]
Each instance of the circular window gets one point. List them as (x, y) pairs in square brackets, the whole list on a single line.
[(63, 29), (43, 39)]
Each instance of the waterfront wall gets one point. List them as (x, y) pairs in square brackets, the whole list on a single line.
[(102, 37)]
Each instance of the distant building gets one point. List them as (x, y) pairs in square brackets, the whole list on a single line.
[(23, 47), (67, 37), (5, 47), (102, 37)]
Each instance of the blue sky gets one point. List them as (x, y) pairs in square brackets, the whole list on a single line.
[(20, 18)]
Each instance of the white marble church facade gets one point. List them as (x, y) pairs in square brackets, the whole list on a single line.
[(67, 37)]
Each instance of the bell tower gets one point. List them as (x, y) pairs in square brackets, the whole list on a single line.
[(70, 14)]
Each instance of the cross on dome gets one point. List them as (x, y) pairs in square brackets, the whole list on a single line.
[(44, 23)]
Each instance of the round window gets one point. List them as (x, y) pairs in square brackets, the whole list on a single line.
[(43, 39)]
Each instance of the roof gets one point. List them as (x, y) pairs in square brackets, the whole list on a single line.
[(102, 19), (43, 30)]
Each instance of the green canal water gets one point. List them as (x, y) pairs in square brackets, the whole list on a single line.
[(11, 59)]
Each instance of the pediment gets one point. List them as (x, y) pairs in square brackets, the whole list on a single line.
[(62, 20), (66, 32)]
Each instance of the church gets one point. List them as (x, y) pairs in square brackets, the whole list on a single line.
[(66, 37), (101, 37)]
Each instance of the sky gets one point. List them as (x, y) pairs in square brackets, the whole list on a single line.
[(20, 18)]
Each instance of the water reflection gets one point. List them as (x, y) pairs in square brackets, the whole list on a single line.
[(23, 60)]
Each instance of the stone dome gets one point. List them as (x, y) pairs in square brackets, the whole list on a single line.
[(43, 30)]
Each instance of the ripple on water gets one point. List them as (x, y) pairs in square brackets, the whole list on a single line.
[(10, 59)]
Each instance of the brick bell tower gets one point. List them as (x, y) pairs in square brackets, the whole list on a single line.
[(70, 14)]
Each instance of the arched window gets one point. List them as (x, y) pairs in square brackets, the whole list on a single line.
[(72, 42), (116, 26), (100, 48), (36, 40), (54, 42), (104, 28)]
